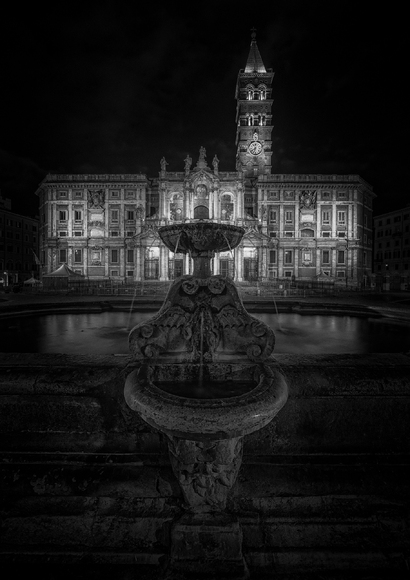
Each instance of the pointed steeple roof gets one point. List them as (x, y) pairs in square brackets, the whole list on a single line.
[(254, 62)]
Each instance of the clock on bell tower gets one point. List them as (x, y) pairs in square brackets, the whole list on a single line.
[(253, 114)]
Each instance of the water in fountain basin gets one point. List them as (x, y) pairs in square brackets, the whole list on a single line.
[(212, 389)]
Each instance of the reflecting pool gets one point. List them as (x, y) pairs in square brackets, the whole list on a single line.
[(107, 333)]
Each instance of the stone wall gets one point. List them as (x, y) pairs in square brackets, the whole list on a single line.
[(323, 488)]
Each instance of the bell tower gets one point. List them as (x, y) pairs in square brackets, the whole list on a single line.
[(253, 115)]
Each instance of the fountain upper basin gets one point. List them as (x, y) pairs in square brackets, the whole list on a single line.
[(201, 236), (200, 415)]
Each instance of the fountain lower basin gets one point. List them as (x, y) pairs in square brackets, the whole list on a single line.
[(252, 395)]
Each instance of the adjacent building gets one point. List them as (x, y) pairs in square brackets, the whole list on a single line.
[(19, 245), (392, 249), (300, 227)]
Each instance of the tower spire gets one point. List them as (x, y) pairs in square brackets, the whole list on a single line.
[(254, 62)]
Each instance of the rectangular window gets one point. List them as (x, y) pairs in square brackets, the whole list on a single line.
[(130, 273), (78, 215), (78, 234), (272, 234), (129, 234), (78, 256), (288, 273), (340, 256), (341, 218), (114, 215), (289, 217), (62, 194), (130, 215), (62, 215), (114, 256), (340, 274), (325, 234), (114, 233), (288, 256), (115, 194), (325, 257), (272, 256), (341, 234), (78, 194), (60, 234), (326, 217), (273, 216), (130, 256), (288, 234), (63, 256), (364, 258), (115, 273), (365, 220)]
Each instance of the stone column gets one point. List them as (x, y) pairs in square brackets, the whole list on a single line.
[(333, 257), (186, 264), (238, 261), (106, 257), (318, 220), (317, 261), (280, 262), (138, 270), (215, 264), (162, 269), (264, 262), (85, 259), (281, 219), (334, 214), (350, 221), (122, 261), (296, 262), (297, 220)]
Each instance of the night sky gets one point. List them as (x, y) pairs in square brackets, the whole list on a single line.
[(110, 87)]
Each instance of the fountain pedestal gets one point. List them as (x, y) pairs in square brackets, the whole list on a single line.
[(204, 545), (203, 382)]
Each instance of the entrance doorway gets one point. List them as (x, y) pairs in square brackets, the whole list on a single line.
[(226, 268), (175, 268), (250, 269), (201, 212), (151, 269)]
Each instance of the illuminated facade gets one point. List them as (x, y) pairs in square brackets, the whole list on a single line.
[(297, 226), (19, 243), (392, 249)]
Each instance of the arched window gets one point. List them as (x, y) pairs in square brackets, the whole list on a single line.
[(307, 233)]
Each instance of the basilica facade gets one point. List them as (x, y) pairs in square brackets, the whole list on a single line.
[(298, 227)]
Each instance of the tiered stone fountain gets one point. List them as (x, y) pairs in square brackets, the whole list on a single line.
[(203, 380)]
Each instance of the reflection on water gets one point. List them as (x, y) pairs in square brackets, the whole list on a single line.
[(107, 333)]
